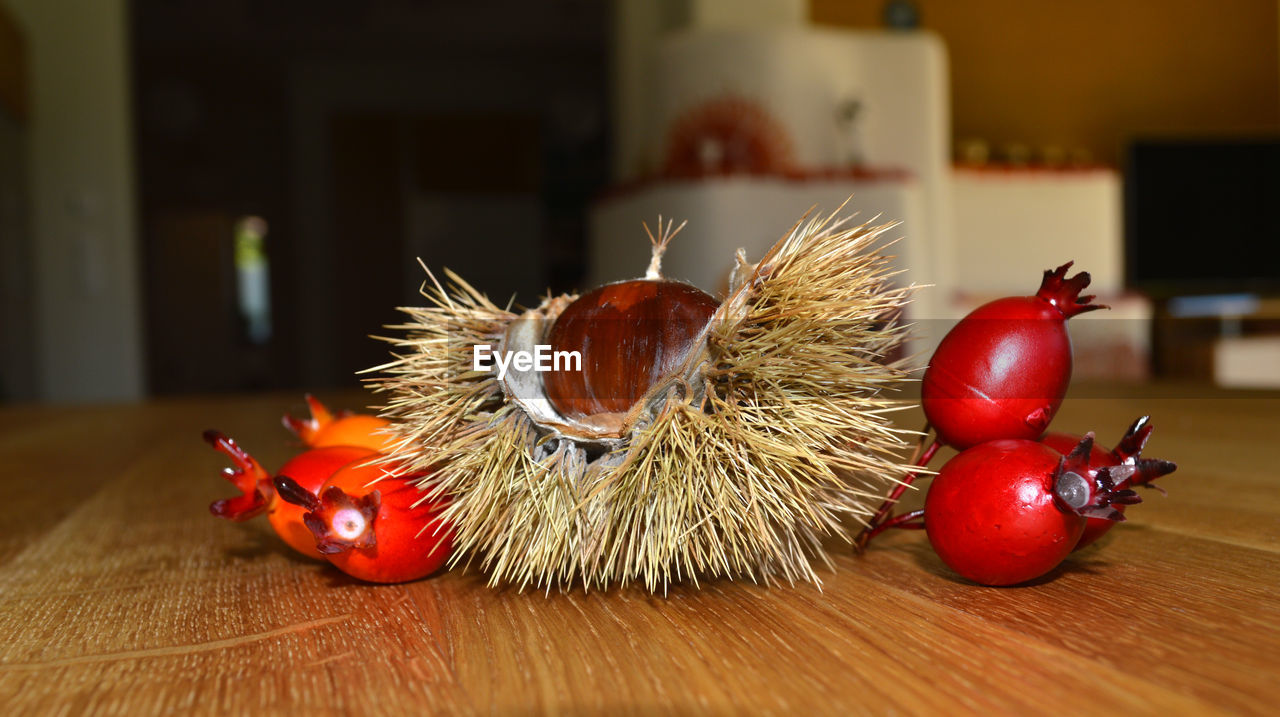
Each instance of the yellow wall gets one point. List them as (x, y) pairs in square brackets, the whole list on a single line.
[(1094, 73)]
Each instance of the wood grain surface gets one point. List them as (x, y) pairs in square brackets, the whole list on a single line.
[(120, 594)]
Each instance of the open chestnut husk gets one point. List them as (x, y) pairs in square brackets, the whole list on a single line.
[(701, 438)]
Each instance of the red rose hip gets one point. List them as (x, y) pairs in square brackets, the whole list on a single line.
[(1003, 370), (310, 469), (386, 531), (345, 428), (1008, 511)]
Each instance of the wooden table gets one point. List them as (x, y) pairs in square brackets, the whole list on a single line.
[(121, 595)]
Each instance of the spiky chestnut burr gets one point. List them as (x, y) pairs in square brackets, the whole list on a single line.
[(766, 435)]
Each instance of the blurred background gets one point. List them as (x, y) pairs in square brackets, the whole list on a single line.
[(203, 197)]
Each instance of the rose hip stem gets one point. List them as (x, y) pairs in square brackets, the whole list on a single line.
[(907, 521), (919, 460)]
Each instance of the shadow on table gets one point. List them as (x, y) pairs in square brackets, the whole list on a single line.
[(258, 540), (1085, 562)]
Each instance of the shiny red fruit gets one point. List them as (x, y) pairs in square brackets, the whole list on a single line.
[(258, 494), (381, 532), (993, 516), (630, 335), (310, 469), (344, 428), (1003, 370), (1128, 452)]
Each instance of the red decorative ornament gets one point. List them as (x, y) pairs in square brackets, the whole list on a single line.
[(1003, 370), (344, 428), (727, 135), (372, 525), (1008, 511), (310, 469)]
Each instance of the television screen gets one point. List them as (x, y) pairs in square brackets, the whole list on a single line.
[(1203, 217)]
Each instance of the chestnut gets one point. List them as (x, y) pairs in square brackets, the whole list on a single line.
[(630, 335)]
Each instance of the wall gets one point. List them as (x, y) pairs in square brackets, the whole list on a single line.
[(1094, 73), (82, 198), (13, 67), (17, 363), (638, 27), (17, 326)]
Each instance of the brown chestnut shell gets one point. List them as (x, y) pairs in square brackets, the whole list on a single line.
[(629, 335)]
